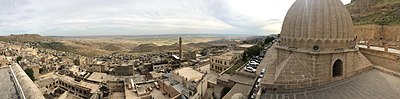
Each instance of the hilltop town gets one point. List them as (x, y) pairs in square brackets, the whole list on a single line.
[(325, 50), (173, 73)]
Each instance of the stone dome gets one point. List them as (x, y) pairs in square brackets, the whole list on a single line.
[(238, 96), (325, 24)]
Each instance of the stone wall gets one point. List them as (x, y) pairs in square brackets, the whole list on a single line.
[(387, 60), (31, 91), (169, 90), (295, 69)]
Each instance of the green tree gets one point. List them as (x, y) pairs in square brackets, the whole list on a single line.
[(19, 58), (253, 51), (29, 72), (43, 70), (268, 40)]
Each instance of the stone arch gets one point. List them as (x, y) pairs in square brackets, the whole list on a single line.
[(341, 44), (283, 42), (290, 43), (335, 44), (302, 44), (295, 43), (309, 44), (327, 44), (337, 68), (319, 43)]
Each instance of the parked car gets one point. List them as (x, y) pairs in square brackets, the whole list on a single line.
[(250, 69)]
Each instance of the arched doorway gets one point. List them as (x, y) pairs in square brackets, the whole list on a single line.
[(337, 69)]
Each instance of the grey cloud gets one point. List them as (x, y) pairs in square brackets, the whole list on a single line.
[(125, 17)]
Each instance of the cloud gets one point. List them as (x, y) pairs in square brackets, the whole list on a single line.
[(141, 17)]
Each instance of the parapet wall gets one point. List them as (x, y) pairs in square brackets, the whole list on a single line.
[(387, 60), (31, 91)]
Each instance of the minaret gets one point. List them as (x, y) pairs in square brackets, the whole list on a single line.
[(180, 51)]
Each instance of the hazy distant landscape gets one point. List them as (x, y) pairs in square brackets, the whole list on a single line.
[(101, 45)]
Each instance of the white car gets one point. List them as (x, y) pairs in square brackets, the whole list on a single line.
[(253, 63), (250, 69)]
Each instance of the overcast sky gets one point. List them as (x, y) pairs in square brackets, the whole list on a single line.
[(142, 17)]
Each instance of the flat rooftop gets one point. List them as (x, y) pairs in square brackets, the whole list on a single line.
[(7, 88), (229, 55), (246, 45), (189, 73), (98, 77), (372, 84)]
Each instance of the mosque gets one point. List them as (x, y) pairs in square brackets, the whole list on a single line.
[(317, 46), (317, 55)]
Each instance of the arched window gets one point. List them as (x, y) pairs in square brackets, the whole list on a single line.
[(337, 69)]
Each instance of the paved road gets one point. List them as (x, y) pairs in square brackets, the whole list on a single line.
[(7, 89), (369, 85)]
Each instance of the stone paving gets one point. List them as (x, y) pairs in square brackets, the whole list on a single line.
[(372, 84), (7, 89)]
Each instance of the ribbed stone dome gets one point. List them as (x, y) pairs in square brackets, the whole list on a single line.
[(323, 23)]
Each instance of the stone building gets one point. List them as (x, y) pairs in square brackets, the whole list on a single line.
[(316, 47), (192, 84), (123, 70), (224, 61)]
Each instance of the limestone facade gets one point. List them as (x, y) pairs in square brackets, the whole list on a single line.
[(383, 59), (224, 61)]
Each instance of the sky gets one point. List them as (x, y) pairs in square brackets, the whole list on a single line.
[(142, 17)]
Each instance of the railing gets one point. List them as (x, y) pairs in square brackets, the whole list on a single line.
[(19, 88)]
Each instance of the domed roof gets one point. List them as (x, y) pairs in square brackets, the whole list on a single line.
[(312, 20), (238, 96), (317, 19)]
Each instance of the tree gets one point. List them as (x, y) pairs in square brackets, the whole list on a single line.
[(253, 51), (29, 72), (19, 58), (268, 40), (43, 70)]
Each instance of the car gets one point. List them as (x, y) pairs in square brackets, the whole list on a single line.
[(260, 76), (253, 66), (253, 63), (255, 60), (250, 69), (262, 72)]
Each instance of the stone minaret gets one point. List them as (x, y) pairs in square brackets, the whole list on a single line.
[(180, 51)]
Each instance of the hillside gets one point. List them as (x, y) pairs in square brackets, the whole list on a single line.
[(376, 19), (381, 12), (25, 38)]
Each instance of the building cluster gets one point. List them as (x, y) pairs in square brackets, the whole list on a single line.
[(161, 75)]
